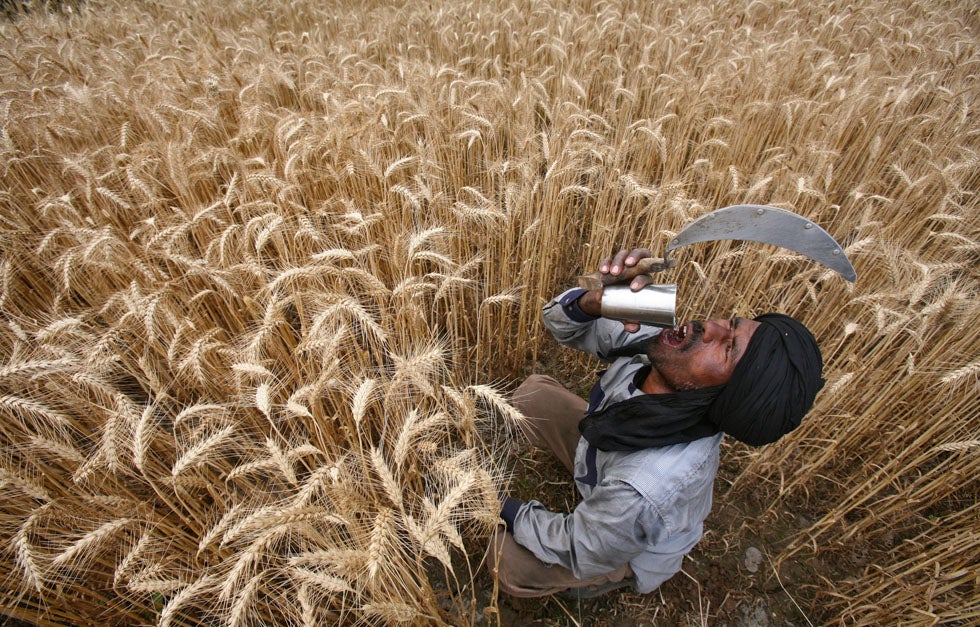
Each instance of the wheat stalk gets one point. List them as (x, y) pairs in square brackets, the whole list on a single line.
[(498, 402), (329, 583), (199, 452), (199, 588), (90, 541), (244, 600), (25, 555), (10, 479), (381, 539), (391, 611), (389, 482)]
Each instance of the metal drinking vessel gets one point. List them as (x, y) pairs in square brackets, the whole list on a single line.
[(654, 304)]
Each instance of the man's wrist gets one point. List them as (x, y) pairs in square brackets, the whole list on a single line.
[(591, 303), (508, 511), (569, 303)]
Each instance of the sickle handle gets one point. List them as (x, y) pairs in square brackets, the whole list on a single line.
[(647, 265)]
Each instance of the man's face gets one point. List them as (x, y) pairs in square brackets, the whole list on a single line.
[(698, 355)]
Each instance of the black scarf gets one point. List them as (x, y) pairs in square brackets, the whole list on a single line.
[(772, 387), (651, 420)]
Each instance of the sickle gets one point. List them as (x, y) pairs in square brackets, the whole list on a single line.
[(769, 225)]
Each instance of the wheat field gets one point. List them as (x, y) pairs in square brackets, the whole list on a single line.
[(267, 271)]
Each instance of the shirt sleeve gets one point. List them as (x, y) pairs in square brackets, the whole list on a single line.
[(607, 530), (576, 329)]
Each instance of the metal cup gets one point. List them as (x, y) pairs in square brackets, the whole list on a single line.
[(654, 304)]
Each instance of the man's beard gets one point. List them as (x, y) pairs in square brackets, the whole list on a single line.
[(665, 359)]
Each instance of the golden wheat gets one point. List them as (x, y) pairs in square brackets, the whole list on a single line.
[(258, 268)]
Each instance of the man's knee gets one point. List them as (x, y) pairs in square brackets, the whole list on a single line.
[(515, 567), (537, 381), (530, 390)]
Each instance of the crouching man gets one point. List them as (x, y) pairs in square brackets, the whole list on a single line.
[(644, 448)]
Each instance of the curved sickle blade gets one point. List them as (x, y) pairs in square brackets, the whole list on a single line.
[(769, 225)]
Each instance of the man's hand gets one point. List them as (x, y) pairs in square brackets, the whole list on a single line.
[(622, 268), (619, 269)]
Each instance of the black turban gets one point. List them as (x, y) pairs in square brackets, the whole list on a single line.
[(773, 385)]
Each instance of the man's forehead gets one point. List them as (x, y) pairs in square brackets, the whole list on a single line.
[(744, 330)]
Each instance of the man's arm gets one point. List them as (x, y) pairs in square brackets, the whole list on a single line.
[(573, 317), (575, 328), (605, 531)]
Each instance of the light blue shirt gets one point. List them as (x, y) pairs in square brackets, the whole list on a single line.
[(646, 507)]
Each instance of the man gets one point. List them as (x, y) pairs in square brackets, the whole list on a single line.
[(644, 450)]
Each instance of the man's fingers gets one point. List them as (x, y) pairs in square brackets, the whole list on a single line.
[(634, 256), (631, 326), (627, 259), (640, 281), (618, 265), (618, 262)]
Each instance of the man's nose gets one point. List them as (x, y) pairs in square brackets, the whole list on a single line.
[(716, 331)]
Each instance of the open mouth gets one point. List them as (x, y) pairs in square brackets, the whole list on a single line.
[(674, 337)]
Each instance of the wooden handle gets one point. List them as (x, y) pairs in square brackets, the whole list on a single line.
[(647, 265)]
